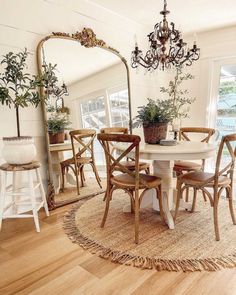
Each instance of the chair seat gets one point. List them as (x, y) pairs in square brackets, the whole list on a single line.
[(131, 165), (186, 166), (81, 160), (127, 181), (197, 178)]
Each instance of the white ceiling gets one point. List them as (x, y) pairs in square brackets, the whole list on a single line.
[(191, 15), (75, 62)]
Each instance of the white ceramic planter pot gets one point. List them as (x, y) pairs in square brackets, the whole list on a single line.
[(18, 150)]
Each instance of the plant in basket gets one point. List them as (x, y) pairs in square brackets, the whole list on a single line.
[(57, 124), (156, 114)]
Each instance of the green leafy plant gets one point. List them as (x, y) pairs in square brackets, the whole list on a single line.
[(178, 96), (156, 111), (166, 110), (18, 89), (57, 123)]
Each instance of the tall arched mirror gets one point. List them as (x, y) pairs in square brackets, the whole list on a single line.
[(88, 89)]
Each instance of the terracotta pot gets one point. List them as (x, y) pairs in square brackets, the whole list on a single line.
[(56, 137), (153, 133), (18, 150)]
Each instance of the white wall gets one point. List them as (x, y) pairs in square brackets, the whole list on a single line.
[(215, 45)]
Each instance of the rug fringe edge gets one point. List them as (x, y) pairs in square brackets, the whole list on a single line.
[(185, 265)]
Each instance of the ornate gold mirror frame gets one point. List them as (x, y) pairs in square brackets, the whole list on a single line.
[(86, 38)]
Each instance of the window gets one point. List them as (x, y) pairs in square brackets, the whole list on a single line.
[(119, 108), (93, 116), (109, 108), (226, 104), (93, 113)]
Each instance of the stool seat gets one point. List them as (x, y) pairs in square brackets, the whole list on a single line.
[(22, 167)]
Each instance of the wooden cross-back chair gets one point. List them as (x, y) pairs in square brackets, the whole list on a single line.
[(84, 138), (181, 167), (129, 181), (184, 166), (219, 181), (129, 162)]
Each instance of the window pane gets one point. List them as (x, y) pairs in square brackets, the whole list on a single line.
[(119, 108), (226, 105), (94, 117)]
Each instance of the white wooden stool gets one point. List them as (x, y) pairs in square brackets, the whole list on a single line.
[(14, 192)]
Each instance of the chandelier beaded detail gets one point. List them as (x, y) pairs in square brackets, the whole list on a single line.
[(167, 48)]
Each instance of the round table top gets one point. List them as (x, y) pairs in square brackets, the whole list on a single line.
[(184, 150)]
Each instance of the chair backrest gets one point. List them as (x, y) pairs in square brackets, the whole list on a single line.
[(112, 162), (114, 130), (227, 169), (85, 139), (110, 130), (184, 133)]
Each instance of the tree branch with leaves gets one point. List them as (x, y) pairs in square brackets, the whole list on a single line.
[(18, 89)]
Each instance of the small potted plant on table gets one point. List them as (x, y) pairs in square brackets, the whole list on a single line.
[(57, 124), (155, 116)]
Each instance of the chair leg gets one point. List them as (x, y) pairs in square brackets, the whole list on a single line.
[(96, 174), (2, 195), (159, 197), (108, 199), (63, 178), (231, 208), (177, 199), (215, 214), (33, 201), (132, 203), (204, 196), (76, 171), (187, 194), (105, 196), (147, 170), (194, 200), (136, 217), (81, 175)]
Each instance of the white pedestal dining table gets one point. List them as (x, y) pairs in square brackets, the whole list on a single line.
[(163, 158)]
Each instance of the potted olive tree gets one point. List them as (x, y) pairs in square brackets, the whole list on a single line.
[(18, 89), (155, 116)]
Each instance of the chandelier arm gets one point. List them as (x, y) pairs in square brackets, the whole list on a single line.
[(143, 63)]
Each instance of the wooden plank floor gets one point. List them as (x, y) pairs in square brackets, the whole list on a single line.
[(49, 263)]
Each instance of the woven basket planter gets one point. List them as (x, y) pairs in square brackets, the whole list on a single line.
[(57, 137), (153, 133)]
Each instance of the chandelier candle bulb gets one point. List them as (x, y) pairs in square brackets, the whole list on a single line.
[(135, 41)]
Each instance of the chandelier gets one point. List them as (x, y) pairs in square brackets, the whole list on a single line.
[(167, 48)]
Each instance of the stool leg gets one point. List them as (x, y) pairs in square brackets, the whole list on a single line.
[(14, 190), (33, 201), (45, 204), (2, 195)]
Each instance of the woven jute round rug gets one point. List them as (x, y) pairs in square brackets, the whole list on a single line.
[(191, 246)]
